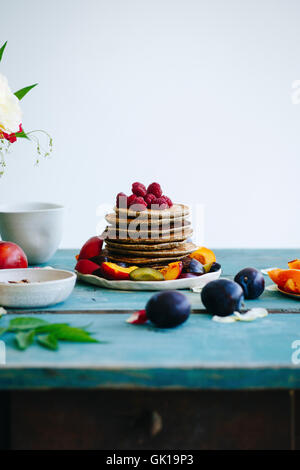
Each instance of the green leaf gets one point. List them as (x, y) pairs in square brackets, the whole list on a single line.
[(50, 328), (2, 50), (25, 323), (76, 335), (48, 341), (21, 93), (2, 331), (24, 339), (22, 135)]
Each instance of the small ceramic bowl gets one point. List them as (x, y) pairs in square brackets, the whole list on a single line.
[(45, 287), (35, 226)]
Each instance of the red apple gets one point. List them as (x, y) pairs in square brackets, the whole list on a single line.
[(12, 256), (91, 248)]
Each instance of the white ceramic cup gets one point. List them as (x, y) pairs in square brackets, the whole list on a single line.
[(35, 226)]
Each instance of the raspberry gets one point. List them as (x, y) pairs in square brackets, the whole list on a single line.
[(121, 200), (140, 200), (131, 200), (150, 199), (168, 201), (136, 203), (162, 202), (139, 189), (154, 188)]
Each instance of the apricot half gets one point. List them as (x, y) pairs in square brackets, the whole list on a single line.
[(286, 279), (172, 271), (295, 264), (273, 274), (204, 255), (115, 272)]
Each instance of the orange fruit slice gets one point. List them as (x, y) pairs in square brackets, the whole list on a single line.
[(204, 255), (295, 264)]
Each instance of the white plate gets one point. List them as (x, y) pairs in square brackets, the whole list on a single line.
[(46, 287), (289, 294), (275, 288), (198, 281)]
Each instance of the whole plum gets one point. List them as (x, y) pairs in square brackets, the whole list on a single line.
[(252, 282), (222, 297), (167, 309)]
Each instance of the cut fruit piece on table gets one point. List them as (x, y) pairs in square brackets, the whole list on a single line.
[(273, 274), (138, 318), (286, 279), (290, 286), (172, 271), (85, 266), (146, 274), (295, 264), (204, 255), (115, 272), (91, 248), (187, 275)]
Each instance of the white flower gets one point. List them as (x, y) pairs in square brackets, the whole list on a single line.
[(10, 110)]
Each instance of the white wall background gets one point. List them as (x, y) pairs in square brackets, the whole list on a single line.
[(195, 94)]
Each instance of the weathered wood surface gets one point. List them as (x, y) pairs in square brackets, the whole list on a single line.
[(200, 354), (90, 298), (203, 385)]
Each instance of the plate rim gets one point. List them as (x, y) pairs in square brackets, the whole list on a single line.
[(289, 294), (86, 277)]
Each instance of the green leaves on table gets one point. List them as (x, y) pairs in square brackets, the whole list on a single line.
[(2, 331), (26, 323), (24, 339), (78, 335), (48, 341), (47, 335)]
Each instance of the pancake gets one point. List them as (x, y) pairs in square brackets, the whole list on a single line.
[(124, 233), (116, 221), (184, 250), (149, 241), (140, 247), (177, 210), (142, 261)]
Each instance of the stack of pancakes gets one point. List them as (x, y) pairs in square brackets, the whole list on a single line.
[(151, 238)]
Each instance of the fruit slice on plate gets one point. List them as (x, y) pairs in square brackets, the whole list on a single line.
[(91, 248), (287, 280), (146, 274), (204, 255), (295, 264), (115, 272), (273, 274), (86, 266), (172, 271)]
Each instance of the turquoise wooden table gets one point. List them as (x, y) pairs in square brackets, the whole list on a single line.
[(199, 372)]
